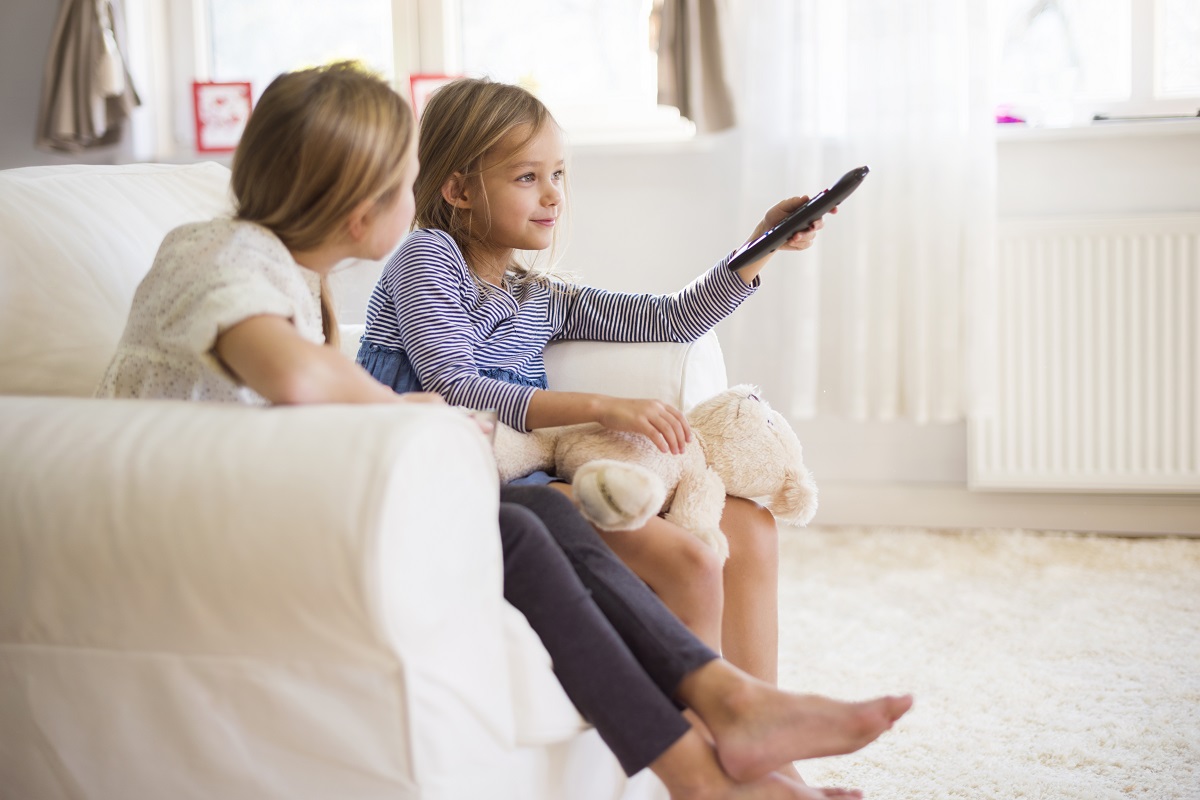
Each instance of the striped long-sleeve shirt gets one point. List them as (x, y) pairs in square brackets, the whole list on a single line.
[(427, 305)]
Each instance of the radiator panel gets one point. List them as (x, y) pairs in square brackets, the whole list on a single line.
[(1097, 382)]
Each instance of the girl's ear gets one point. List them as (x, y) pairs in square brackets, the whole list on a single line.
[(359, 220), (454, 191)]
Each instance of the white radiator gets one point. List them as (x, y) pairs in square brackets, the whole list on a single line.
[(1097, 381)]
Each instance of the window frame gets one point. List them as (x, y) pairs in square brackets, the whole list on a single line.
[(1144, 100), (426, 39)]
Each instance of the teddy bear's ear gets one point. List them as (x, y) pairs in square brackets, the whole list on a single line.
[(796, 500), (748, 390)]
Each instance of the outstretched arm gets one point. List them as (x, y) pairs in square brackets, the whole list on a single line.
[(588, 313), (268, 354)]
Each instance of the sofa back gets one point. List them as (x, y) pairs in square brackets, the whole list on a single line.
[(75, 241)]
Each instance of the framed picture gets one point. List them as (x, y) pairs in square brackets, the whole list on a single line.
[(221, 113), (421, 86)]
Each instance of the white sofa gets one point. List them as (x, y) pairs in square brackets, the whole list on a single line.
[(201, 601)]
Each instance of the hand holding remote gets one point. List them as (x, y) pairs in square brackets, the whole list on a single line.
[(807, 216)]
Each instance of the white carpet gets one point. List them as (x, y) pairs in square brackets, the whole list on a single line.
[(1044, 665)]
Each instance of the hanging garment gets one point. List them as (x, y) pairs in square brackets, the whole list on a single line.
[(87, 93)]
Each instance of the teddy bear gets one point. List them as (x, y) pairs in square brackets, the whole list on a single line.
[(740, 446)]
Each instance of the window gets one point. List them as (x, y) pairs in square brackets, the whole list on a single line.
[(591, 61), (1177, 68), (245, 40), (1064, 61), (255, 41)]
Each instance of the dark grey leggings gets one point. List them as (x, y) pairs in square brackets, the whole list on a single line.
[(618, 652)]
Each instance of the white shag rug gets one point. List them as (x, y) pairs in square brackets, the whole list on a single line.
[(1044, 666)]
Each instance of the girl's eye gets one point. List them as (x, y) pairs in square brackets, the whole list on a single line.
[(558, 175)]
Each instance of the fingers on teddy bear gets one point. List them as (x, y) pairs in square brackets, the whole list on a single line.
[(740, 447)]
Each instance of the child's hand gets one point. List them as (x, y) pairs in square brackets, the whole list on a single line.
[(799, 241), (661, 423), (802, 240), (420, 397)]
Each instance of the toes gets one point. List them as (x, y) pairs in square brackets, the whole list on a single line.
[(900, 706)]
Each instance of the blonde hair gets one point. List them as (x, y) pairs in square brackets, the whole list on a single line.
[(462, 123), (319, 143)]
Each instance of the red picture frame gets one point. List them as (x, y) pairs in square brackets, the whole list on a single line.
[(220, 110), (422, 85)]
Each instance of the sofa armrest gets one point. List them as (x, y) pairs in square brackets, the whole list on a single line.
[(349, 334), (679, 374), (329, 577)]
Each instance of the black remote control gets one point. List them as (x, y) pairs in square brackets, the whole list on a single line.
[(798, 220)]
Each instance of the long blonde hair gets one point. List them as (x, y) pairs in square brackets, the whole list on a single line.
[(463, 122), (319, 143)]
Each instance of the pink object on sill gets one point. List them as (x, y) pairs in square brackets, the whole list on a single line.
[(1004, 116)]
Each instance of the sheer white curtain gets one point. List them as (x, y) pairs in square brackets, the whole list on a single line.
[(887, 317)]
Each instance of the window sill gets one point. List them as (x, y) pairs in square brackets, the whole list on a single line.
[(1117, 129)]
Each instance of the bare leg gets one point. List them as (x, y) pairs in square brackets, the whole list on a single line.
[(750, 625), (681, 570), (757, 727)]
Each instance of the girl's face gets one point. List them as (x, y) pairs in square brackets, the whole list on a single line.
[(523, 189), (390, 222)]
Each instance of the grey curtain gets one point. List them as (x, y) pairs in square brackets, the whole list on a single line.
[(692, 63), (87, 93)]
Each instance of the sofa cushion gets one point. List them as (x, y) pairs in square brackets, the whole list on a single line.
[(75, 241)]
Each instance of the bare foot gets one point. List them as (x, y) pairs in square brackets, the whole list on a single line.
[(773, 787), (690, 771), (758, 728), (790, 772), (800, 790), (766, 727)]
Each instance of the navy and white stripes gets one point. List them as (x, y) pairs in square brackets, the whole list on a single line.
[(428, 305)]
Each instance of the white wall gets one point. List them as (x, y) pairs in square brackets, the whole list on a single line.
[(1138, 168)]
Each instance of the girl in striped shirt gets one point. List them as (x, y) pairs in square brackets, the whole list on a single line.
[(455, 313)]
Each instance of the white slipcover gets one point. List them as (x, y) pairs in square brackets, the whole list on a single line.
[(202, 601)]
